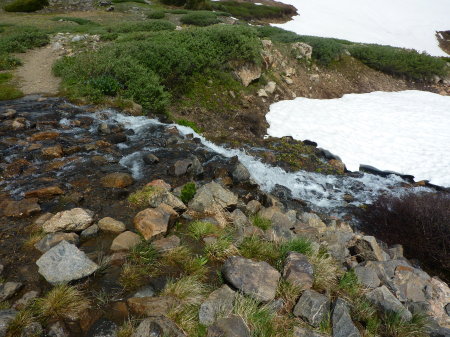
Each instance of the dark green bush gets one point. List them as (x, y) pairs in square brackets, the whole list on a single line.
[(80, 21), (188, 192), (107, 85), (174, 2), (177, 11), (197, 4), (25, 5), (144, 26), (398, 61), (22, 38), (200, 18), (156, 15), (8, 62), (250, 11)]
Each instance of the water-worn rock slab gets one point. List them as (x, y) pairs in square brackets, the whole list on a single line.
[(8, 289), (297, 270), (111, 225), (151, 306), (219, 302), (158, 327), (312, 307), (6, 316), (233, 326), (76, 219), (52, 239), (154, 221), (256, 279), (384, 299), (342, 322), (210, 195), (64, 263), (125, 241)]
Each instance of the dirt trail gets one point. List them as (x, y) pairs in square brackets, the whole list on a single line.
[(35, 76)]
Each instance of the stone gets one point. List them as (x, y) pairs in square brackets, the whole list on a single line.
[(52, 151), (52, 239), (160, 183), (367, 277), (89, 232), (239, 219), (58, 330), (368, 248), (384, 299), (410, 285), (44, 135), (197, 167), (277, 233), (342, 322), (248, 73), (166, 244), (6, 316), (282, 220), (256, 279), (25, 300), (302, 50), (151, 306), (298, 271), (219, 302), (44, 193), (111, 225), (253, 206), (117, 180), (262, 93), (233, 326), (270, 87), (125, 241), (76, 219), (150, 159), (158, 327), (210, 196), (154, 221), (240, 173), (21, 208), (64, 263), (146, 291), (396, 252), (103, 328), (182, 167), (303, 332), (312, 307), (161, 195), (9, 289), (313, 220)]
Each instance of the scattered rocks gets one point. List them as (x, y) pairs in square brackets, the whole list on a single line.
[(21, 208), (76, 219), (125, 241), (151, 306), (342, 323), (52, 239), (384, 299), (233, 326), (312, 307), (211, 196), (298, 271), (117, 180), (154, 221), (367, 276), (64, 263), (157, 326), (219, 302), (111, 225), (8, 290), (256, 279)]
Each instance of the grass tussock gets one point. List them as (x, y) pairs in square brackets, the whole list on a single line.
[(201, 229), (220, 250), (200, 18), (126, 329), (141, 197), (188, 191), (132, 276), (289, 293), (185, 262), (20, 322), (395, 326), (188, 289), (260, 222)]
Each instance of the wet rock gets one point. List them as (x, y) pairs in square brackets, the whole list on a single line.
[(44, 193), (240, 173), (125, 241), (117, 180), (45, 135), (21, 208), (111, 225), (150, 159), (103, 328), (154, 221), (298, 271), (368, 248), (197, 167), (303, 332), (248, 73), (253, 206), (368, 277), (25, 300), (64, 263), (158, 327), (384, 299), (166, 244), (76, 219), (52, 239), (219, 302), (9, 289), (151, 306), (256, 279), (211, 196), (342, 322), (312, 307), (52, 151), (6, 316), (89, 232), (233, 326), (147, 291), (58, 330), (182, 167)]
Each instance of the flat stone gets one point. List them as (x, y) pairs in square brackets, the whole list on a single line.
[(9, 289), (256, 279), (117, 180), (154, 221), (125, 241), (44, 193), (76, 219), (298, 271), (25, 300), (233, 326), (146, 291), (52, 239), (21, 208), (151, 306), (158, 327), (312, 307), (368, 277), (211, 196), (386, 301), (111, 225), (342, 322), (52, 151), (64, 263), (89, 232), (219, 302), (6, 316), (166, 244)]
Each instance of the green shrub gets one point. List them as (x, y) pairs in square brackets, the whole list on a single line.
[(79, 21), (200, 18), (188, 192), (25, 5), (156, 15), (107, 85), (8, 62), (249, 11), (144, 26), (177, 11), (401, 62), (22, 38), (260, 222), (197, 4), (174, 2)]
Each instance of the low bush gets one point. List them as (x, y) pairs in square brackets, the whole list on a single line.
[(144, 26), (21, 38), (200, 18), (188, 192), (250, 11), (406, 218), (156, 14), (25, 5), (260, 222), (177, 11), (174, 2)]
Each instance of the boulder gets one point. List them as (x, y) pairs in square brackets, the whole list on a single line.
[(21, 208), (151, 306), (233, 326), (211, 195), (103, 328), (52, 239), (161, 195), (117, 180), (111, 225), (125, 241), (64, 263), (248, 73), (182, 167), (166, 244), (44, 193), (367, 276), (410, 285), (89, 232), (303, 332), (313, 220), (76, 219), (368, 248), (158, 327), (6, 316), (154, 221), (53, 151), (239, 218), (342, 322), (298, 271), (150, 159), (240, 173), (256, 279), (312, 307), (384, 299), (219, 302), (253, 206), (302, 50), (9, 289)]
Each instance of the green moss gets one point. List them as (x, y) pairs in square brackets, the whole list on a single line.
[(190, 124), (188, 192), (260, 222), (140, 197), (8, 91)]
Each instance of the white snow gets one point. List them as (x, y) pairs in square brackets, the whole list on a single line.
[(406, 132), (399, 23)]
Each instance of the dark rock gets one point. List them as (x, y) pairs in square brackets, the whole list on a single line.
[(298, 271), (367, 276), (103, 328), (219, 302), (342, 322), (89, 232), (233, 326), (384, 299), (157, 327), (312, 307), (150, 159)]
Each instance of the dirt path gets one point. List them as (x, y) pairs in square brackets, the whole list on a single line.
[(35, 76)]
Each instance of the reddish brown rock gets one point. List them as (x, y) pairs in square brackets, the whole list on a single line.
[(153, 221), (116, 180), (45, 135), (46, 192), (52, 151), (159, 183), (22, 208)]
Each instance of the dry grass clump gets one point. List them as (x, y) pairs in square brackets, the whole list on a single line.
[(20, 322), (132, 276), (126, 329), (185, 261), (34, 237), (200, 229), (326, 270), (289, 293), (188, 289), (220, 250)]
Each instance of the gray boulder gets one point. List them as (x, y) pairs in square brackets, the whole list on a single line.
[(6, 316), (233, 326), (240, 173), (219, 302), (103, 328), (303, 332), (368, 248), (256, 279), (211, 196), (384, 299), (8, 289), (159, 326), (64, 263), (342, 322), (52, 239), (298, 271), (367, 276), (76, 219), (312, 307)]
